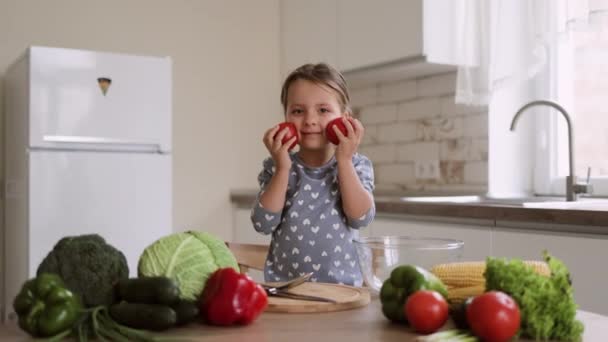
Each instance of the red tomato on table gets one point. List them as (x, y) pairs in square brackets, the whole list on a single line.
[(426, 311), (493, 316)]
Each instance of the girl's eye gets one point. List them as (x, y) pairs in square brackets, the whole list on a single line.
[(296, 111), (324, 110)]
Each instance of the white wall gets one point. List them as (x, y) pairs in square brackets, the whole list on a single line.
[(225, 74)]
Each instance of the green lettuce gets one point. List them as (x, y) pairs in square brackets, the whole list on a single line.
[(189, 258), (547, 306)]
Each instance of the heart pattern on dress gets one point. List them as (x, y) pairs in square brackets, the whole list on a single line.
[(312, 201)]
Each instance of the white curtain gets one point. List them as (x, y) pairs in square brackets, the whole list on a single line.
[(499, 43)]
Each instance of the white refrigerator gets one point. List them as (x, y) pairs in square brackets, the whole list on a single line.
[(87, 150)]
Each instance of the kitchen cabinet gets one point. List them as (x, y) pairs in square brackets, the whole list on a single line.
[(583, 255), (376, 32), (393, 38), (476, 234)]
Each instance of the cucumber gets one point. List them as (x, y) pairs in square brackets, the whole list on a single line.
[(144, 316), (149, 290), (187, 311)]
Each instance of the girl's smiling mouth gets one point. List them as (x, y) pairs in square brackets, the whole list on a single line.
[(310, 134)]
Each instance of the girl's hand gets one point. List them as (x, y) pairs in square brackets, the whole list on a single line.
[(278, 151), (350, 143)]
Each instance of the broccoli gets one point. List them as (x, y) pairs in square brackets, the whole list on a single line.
[(89, 267)]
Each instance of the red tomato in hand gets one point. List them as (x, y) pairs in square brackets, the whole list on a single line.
[(493, 316), (426, 311), (292, 132), (329, 130)]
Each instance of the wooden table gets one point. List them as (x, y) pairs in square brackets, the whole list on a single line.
[(364, 324)]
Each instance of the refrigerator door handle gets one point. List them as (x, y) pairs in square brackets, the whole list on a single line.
[(69, 141)]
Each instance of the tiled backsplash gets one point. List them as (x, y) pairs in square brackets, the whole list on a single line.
[(418, 139)]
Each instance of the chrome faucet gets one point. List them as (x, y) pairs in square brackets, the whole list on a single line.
[(572, 188)]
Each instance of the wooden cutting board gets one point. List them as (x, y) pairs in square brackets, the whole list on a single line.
[(346, 297)]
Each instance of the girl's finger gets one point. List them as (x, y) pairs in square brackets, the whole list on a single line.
[(272, 131), (357, 124), (282, 134), (339, 134), (287, 144), (268, 136), (277, 143), (350, 129)]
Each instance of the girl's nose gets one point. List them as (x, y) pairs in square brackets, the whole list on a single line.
[(310, 119)]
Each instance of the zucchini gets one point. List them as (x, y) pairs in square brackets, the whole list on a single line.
[(149, 290), (187, 311), (144, 316)]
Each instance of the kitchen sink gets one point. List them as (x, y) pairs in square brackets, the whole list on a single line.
[(527, 202)]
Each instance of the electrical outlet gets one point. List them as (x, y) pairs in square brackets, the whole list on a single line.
[(426, 169)]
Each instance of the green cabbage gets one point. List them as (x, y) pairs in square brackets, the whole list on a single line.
[(189, 258)]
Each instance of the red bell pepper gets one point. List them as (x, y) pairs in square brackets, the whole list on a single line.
[(230, 298)]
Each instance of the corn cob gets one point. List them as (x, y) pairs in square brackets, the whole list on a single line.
[(465, 279), (457, 295)]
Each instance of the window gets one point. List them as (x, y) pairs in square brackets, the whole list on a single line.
[(577, 78)]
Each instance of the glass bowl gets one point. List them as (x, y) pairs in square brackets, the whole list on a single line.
[(379, 255)]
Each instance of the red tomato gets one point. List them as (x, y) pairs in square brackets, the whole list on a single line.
[(426, 311), (329, 131), (493, 316), (292, 132)]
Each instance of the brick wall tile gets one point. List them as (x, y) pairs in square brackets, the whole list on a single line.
[(472, 149), (476, 125), (378, 114), (436, 129), (455, 149), (417, 120), (395, 173), (361, 97), (396, 91), (418, 151), (385, 153), (370, 136), (420, 108), (436, 85), (448, 107), (452, 171), (476, 172), (399, 132), (478, 150)]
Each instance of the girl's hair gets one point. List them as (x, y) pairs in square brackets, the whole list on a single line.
[(322, 74)]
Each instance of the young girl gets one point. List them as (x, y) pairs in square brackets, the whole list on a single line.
[(314, 201)]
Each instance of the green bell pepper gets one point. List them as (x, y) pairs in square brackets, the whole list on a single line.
[(45, 306), (404, 281)]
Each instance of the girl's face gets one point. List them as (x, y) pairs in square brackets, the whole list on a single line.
[(311, 107)]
